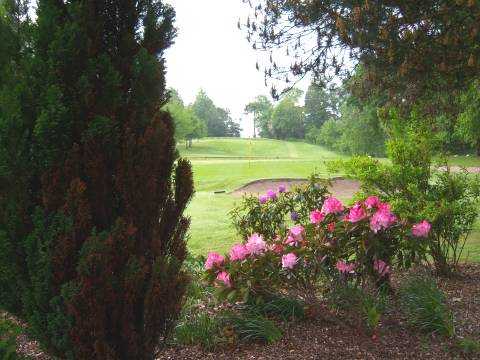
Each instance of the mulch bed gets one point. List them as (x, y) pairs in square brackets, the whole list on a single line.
[(334, 338), (320, 339)]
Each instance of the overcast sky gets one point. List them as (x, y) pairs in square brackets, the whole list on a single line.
[(211, 53)]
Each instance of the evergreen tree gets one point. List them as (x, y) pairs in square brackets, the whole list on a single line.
[(92, 236)]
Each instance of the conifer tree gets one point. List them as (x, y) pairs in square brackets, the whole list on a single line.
[(92, 230)]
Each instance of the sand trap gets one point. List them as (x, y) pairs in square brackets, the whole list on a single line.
[(341, 188)]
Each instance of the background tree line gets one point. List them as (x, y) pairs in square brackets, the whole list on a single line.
[(200, 119), (343, 120)]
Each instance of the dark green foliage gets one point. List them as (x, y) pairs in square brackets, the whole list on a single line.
[(288, 118), (92, 235), (425, 306), (187, 125), (468, 125), (320, 105)]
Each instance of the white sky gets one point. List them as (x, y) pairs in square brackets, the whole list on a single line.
[(211, 53)]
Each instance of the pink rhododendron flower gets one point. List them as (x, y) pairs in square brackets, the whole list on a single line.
[(332, 206), (372, 202), (381, 267), (289, 261), (421, 229), (384, 207), (263, 199), (238, 252), (225, 278), (282, 188), (356, 214), (290, 240), (382, 219), (297, 232), (255, 244), (213, 259), (316, 216), (345, 268), (331, 227), (272, 195)]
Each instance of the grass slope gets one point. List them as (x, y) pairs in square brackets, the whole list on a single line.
[(224, 164)]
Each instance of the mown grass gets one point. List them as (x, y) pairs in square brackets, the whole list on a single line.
[(225, 164)]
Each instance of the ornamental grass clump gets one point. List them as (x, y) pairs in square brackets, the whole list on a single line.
[(425, 307)]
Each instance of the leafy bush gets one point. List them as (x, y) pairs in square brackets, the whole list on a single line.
[(425, 307), (337, 243), (448, 200), (357, 132)]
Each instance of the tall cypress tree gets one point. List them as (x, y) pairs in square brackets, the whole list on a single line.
[(92, 216)]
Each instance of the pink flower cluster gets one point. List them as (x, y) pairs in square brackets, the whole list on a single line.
[(421, 229), (289, 261), (372, 213), (316, 216), (382, 219), (357, 213), (215, 261), (332, 206)]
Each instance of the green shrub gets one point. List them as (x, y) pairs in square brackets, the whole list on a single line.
[(449, 201), (424, 305)]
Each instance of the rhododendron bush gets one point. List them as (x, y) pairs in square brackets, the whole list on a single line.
[(362, 243)]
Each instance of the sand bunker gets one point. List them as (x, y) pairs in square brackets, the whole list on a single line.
[(342, 188)]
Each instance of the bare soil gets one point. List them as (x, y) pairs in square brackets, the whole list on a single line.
[(342, 188)]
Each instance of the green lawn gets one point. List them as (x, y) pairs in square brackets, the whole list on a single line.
[(221, 164)]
